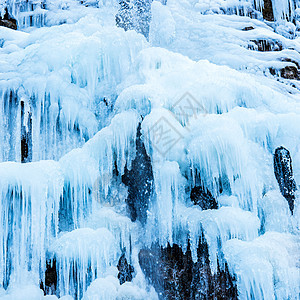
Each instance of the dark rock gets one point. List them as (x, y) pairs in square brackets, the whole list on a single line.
[(175, 276), (26, 135), (139, 181), (284, 175), (50, 285), (202, 282), (225, 285), (248, 28), (268, 11), (125, 270), (153, 267), (8, 21), (203, 198), (169, 270), (264, 45), (289, 72)]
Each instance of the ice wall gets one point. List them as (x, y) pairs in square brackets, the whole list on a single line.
[(68, 91), (78, 90), (30, 206)]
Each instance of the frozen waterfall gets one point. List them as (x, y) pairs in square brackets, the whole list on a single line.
[(149, 149)]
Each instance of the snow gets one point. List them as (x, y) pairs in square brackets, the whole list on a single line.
[(200, 80)]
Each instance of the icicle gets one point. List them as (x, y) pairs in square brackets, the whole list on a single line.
[(219, 226), (168, 186), (221, 158), (123, 230), (266, 268), (83, 255), (29, 214)]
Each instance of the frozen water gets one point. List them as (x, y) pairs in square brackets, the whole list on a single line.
[(213, 107), (266, 266)]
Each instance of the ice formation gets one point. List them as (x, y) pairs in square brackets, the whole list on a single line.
[(97, 122)]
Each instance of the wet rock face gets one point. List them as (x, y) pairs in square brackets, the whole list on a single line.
[(143, 15), (284, 175), (169, 270), (203, 198), (139, 181), (125, 270), (8, 21), (175, 276)]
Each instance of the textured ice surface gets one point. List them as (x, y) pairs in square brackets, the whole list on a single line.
[(87, 85), (266, 266)]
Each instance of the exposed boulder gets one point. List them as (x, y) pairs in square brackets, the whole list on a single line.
[(8, 21), (139, 181), (125, 270), (284, 175), (203, 198)]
